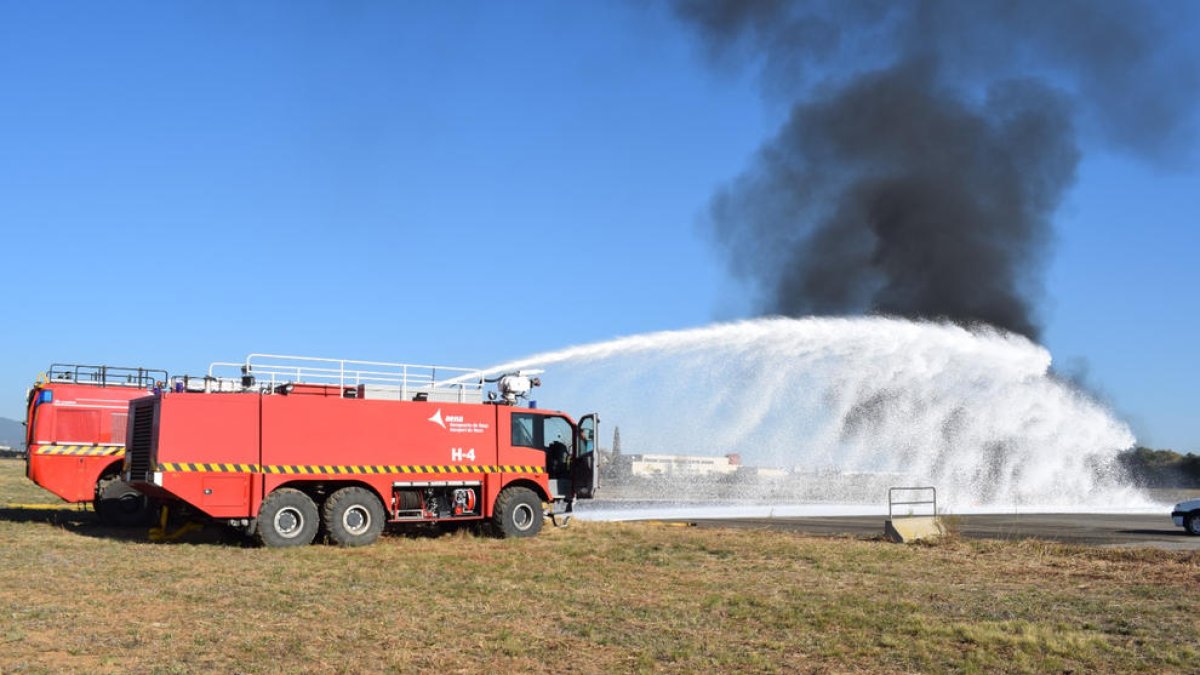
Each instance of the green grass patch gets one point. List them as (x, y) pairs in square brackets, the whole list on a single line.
[(594, 597)]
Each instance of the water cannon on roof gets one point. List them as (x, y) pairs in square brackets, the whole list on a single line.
[(515, 386)]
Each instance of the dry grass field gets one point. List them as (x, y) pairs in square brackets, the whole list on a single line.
[(593, 597)]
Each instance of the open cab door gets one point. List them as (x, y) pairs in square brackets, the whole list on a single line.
[(585, 468)]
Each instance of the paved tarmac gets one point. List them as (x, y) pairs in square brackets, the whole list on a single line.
[(1114, 530)]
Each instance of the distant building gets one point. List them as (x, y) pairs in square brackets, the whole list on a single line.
[(675, 465), (764, 472)]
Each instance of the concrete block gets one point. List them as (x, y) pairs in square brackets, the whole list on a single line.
[(914, 528)]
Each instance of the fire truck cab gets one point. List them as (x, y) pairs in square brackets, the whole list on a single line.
[(298, 446), (75, 423)]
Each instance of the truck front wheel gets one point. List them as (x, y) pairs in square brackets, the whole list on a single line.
[(117, 503), (353, 517), (518, 513), (287, 518)]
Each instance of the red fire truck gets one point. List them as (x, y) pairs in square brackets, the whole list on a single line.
[(75, 423), (302, 445)]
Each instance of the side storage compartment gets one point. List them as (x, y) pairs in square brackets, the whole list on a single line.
[(207, 451)]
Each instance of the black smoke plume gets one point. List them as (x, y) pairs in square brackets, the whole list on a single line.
[(930, 143)]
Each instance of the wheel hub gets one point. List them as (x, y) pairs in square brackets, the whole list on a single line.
[(356, 520), (523, 517), (288, 522)]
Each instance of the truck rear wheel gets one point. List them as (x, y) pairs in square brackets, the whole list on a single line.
[(518, 513), (353, 516), (117, 503), (287, 518)]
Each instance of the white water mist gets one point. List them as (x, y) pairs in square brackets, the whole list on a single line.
[(975, 413)]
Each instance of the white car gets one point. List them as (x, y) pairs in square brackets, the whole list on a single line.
[(1187, 515)]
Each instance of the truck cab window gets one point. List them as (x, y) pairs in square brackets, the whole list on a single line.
[(587, 438), (523, 430), (556, 436), (556, 430)]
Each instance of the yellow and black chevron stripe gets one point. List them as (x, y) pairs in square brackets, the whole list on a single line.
[(392, 468), (350, 469), (193, 467), (82, 450)]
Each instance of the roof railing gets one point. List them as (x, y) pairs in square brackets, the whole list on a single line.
[(405, 380), (105, 376)]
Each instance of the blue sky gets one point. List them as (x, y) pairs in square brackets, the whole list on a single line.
[(452, 183)]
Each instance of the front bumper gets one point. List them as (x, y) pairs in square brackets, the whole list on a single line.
[(1177, 518)]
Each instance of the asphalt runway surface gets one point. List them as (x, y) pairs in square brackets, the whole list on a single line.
[(1110, 530)]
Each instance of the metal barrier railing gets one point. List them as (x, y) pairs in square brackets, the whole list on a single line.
[(892, 502)]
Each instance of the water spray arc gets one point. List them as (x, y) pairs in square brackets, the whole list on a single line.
[(976, 412)]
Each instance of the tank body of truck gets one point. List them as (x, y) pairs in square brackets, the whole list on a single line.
[(358, 461), (75, 435)]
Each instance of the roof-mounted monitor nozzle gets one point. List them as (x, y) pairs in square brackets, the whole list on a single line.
[(514, 386)]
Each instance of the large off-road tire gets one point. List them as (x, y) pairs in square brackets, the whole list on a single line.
[(117, 503), (287, 518), (353, 516), (518, 513), (1191, 522)]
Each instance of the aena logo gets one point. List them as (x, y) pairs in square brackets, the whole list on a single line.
[(437, 419)]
